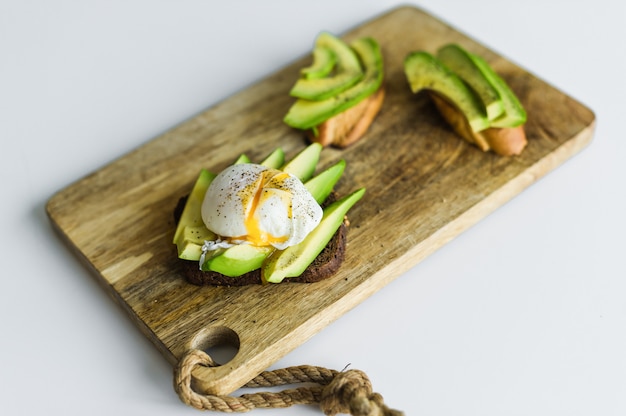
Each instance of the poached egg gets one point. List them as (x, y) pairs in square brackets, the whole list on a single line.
[(252, 204)]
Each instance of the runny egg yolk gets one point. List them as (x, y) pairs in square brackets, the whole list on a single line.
[(252, 204)]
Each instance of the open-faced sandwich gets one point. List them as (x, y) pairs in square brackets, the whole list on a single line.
[(340, 93), (264, 223), (476, 102)]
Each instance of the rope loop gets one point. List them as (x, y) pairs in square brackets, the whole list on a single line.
[(348, 392)]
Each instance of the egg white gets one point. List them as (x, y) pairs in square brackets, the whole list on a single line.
[(252, 204)]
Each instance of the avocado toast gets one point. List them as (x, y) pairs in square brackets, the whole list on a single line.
[(267, 211), (340, 94)]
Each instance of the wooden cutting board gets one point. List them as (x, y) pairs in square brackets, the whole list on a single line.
[(424, 187)]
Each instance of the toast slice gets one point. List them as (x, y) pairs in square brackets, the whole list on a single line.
[(349, 126), (505, 141), (323, 267)]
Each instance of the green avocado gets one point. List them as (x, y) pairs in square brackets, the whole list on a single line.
[(306, 114), (347, 71), (302, 166), (242, 159), (322, 185), (190, 226), (275, 159), (514, 114), (425, 72), (459, 61), (190, 243), (294, 260), (324, 59), (236, 260)]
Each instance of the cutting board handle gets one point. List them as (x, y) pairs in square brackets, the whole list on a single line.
[(348, 392)]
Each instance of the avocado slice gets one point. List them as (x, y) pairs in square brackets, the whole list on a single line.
[(425, 72), (242, 159), (324, 59), (294, 260), (190, 243), (303, 164), (275, 159), (459, 61), (189, 228), (514, 114), (322, 185), (347, 72), (237, 260), (306, 114)]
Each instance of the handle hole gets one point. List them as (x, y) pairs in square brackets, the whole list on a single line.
[(221, 343)]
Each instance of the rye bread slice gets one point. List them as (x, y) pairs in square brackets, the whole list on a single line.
[(324, 266)]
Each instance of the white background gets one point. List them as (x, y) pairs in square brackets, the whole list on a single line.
[(523, 314)]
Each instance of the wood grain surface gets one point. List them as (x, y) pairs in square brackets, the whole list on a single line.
[(424, 187)]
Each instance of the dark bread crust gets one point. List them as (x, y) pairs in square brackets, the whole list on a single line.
[(324, 266)]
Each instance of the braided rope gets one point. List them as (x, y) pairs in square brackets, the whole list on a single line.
[(348, 392)]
